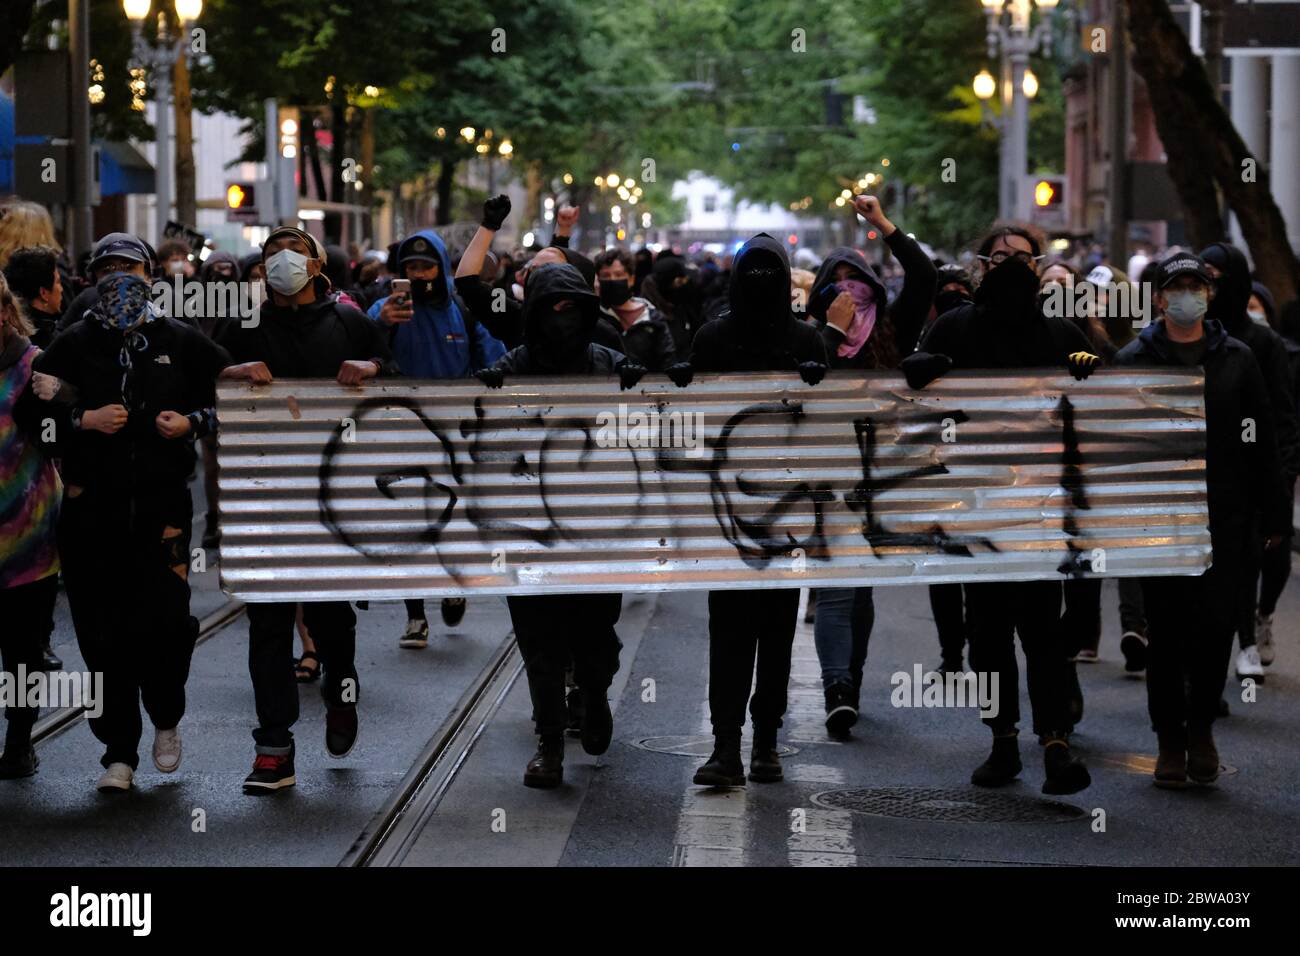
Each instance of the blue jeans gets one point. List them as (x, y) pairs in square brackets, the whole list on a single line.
[(843, 628)]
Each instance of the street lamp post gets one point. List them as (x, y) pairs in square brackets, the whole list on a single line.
[(159, 58), (1010, 33)]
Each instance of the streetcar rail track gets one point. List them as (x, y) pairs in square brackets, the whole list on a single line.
[(53, 724), (393, 830)]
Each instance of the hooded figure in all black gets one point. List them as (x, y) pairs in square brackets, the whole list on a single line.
[(758, 333), (559, 314), (1005, 328), (1232, 296), (557, 341)]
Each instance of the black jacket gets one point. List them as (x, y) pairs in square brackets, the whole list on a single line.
[(309, 341), (1232, 296), (648, 342), (904, 318), (974, 338), (542, 351), (175, 370), (743, 340), (1241, 477), (479, 299)]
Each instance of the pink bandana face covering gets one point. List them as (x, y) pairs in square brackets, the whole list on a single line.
[(864, 316)]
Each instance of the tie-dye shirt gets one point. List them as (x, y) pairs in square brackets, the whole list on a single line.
[(30, 490)]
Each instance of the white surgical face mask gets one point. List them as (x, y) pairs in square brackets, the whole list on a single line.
[(1259, 317), (286, 271), (1186, 308)]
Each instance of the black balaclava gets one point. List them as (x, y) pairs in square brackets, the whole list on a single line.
[(558, 342), (1010, 290), (760, 288), (1232, 288)]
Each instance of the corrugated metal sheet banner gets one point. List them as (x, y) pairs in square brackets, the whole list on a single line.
[(407, 488)]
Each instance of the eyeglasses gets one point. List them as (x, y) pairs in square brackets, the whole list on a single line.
[(1000, 257)]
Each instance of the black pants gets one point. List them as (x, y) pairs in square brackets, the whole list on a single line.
[(953, 622), (1031, 609), (554, 629), (1190, 622), (1132, 608), (333, 628), (1275, 571), (1082, 617), (746, 627), (125, 566), (24, 610)]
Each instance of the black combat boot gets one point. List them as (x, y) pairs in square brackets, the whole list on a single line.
[(546, 770), (724, 768), (764, 763), (1002, 766)]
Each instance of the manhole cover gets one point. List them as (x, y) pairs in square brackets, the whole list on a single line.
[(948, 805), (1144, 764), (699, 745)]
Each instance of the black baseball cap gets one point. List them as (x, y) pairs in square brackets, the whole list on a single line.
[(120, 245), (418, 248), (1181, 264)]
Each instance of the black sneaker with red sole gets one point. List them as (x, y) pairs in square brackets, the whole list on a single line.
[(271, 772)]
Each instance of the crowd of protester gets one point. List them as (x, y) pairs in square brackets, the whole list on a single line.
[(131, 394)]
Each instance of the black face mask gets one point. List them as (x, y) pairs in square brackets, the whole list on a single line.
[(764, 293), (1011, 286), (427, 290), (562, 342), (947, 301), (614, 292)]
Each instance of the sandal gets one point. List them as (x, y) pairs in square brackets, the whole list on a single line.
[(303, 672)]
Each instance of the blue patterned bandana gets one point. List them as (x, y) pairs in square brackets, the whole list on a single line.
[(124, 301)]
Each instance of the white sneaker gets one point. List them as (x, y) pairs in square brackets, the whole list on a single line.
[(1248, 664), (1264, 638), (167, 749), (116, 778)]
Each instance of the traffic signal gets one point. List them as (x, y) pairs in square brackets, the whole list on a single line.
[(1048, 200), (241, 202), (1047, 193)]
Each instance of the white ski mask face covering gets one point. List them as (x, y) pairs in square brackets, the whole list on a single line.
[(286, 271)]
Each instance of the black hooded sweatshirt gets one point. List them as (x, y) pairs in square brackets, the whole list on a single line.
[(1228, 307), (905, 316), (758, 332), (308, 341), (1004, 326), (559, 343), (1241, 477)]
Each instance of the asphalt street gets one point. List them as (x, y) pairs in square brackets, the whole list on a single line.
[(907, 768)]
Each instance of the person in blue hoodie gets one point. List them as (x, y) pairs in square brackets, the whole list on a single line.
[(432, 335)]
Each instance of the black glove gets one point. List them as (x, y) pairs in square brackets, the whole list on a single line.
[(491, 377), (812, 372), (495, 211), (922, 368), (629, 373), (681, 373), (1082, 364)]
